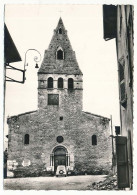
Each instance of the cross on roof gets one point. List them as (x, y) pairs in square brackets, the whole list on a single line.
[(60, 12)]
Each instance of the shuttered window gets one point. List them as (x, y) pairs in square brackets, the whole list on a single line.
[(122, 162), (122, 90), (121, 72)]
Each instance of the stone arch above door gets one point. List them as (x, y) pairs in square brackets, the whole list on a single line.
[(60, 150), (59, 156)]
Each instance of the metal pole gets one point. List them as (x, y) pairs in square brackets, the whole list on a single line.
[(113, 156), (112, 136)]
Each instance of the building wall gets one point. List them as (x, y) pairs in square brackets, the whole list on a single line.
[(45, 124), (71, 100), (123, 50), (97, 158), (125, 56), (43, 129)]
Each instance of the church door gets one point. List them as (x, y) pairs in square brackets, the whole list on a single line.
[(59, 157)]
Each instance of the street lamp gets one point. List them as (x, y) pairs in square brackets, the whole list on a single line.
[(36, 59)]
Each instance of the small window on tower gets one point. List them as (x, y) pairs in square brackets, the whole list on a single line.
[(53, 99), (60, 31), (60, 54)]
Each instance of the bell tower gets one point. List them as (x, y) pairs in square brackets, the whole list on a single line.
[(59, 77)]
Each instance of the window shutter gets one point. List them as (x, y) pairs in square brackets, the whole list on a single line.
[(122, 162), (123, 93), (123, 98), (121, 72)]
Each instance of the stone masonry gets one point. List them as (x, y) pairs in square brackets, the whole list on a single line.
[(60, 133)]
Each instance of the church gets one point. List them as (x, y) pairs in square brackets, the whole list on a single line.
[(59, 132)]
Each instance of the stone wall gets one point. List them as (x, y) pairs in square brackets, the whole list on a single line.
[(97, 158), (43, 128), (68, 99), (45, 124)]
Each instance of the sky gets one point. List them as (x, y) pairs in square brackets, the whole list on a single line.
[(32, 26)]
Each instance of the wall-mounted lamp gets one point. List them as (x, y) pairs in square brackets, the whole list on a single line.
[(36, 59), (8, 66)]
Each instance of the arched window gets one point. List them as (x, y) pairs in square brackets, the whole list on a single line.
[(50, 82), (60, 83), (94, 140), (70, 83), (60, 54), (60, 31), (26, 139)]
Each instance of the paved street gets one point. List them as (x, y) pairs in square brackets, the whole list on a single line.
[(52, 183)]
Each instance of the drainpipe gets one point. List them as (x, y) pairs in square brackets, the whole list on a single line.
[(112, 138)]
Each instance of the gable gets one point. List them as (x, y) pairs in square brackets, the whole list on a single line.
[(60, 57)]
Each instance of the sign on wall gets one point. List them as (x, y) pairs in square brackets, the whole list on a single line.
[(26, 163)]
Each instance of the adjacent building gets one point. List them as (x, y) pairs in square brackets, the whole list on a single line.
[(118, 23), (11, 55)]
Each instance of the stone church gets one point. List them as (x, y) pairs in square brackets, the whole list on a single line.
[(59, 132)]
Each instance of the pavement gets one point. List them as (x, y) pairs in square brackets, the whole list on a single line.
[(52, 183)]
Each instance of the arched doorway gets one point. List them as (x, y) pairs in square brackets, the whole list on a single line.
[(60, 157)]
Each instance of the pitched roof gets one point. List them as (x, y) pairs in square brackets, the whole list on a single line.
[(9, 117), (96, 115), (61, 41), (11, 53)]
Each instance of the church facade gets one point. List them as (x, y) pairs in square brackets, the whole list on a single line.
[(59, 132)]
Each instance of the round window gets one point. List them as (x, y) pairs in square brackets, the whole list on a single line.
[(60, 139)]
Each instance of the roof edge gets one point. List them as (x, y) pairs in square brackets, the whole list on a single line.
[(96, 115), (22, 114)]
